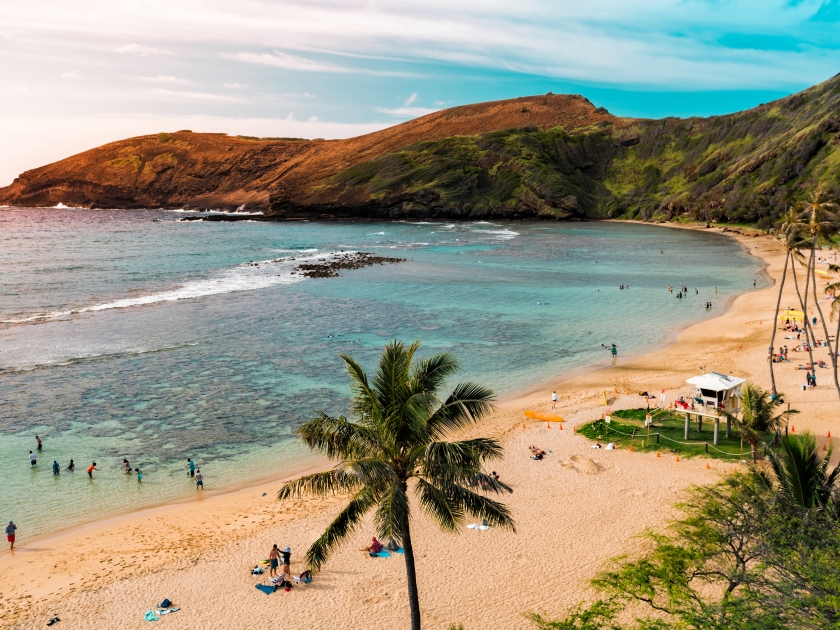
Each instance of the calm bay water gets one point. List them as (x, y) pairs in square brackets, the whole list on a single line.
[(133, 334)]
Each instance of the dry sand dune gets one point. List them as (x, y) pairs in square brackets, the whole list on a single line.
[(574, 510)]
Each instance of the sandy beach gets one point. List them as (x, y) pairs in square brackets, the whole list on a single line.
[(573, 510)]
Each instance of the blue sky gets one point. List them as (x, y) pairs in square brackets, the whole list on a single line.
[(78, 74)]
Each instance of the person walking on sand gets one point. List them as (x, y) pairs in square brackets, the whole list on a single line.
[(286, 561), (11, 528), (190, 467), (553, 399), (274, 560), (38, 440), (199, 480), (56, 468), (33, 459), (91, 468)]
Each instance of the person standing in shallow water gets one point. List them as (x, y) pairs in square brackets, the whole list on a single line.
[(199, 480), (91, 468), (614, 351), (11, 530), (56, 468), (71, 466), (139, 475), (190, 467), (33, 459), (38, 440)]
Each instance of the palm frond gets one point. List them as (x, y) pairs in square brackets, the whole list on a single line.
[(343, 525), (480, 507), (338, 437), (374, 472), (430, 374), (365, 400), (321, 484), (468, 403), (448, 515), (392, 513)]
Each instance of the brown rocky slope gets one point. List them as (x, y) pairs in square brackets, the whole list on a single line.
[(286, 178)]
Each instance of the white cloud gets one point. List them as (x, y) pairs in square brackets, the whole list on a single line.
[(234, 86), (162, 78), (285, 61), (188, 96), (406, 112), (142, 51), (411, 99), (71, 74), (313, 119)]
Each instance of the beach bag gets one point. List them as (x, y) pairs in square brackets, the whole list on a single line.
[(165, 604), (257, 571)]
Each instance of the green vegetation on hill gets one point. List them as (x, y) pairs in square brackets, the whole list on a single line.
[(745, 167)]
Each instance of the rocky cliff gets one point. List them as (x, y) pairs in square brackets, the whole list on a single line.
[(552, 156)]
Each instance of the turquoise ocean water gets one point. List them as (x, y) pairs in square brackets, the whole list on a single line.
[(133, 334)]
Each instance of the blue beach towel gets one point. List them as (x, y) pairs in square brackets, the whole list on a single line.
[(268, 590), (400, 550), (150, 616), (383, 554)]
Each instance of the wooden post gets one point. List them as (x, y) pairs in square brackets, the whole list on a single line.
[(707, 447), (717, 431), (728, 428), (699, 423), (657, 438), (687, 424)]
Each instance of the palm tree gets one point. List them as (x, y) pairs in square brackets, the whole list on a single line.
[(758, 417), (395, 448), (820, 221), (803, 475), (791, 241)]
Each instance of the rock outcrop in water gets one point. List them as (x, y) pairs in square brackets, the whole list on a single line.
[(549, 157), (353, 260)]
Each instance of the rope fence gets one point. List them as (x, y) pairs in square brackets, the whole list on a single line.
[(659, 436)]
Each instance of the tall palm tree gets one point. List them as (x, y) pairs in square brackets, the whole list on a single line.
[(395, 448), (804, 478), (758, 415), (791, 241), (819, 220)]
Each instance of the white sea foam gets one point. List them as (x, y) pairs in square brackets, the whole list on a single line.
[(376, 234), (83, 355), (245, 277), (224, 212)]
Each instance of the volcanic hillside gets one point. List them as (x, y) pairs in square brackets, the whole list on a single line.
[(549, 156), (203, 170)]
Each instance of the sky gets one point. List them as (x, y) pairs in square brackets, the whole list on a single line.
[(75, 74)]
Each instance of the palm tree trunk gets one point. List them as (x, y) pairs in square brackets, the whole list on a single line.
[(809, 331), (411, 575), (825, 327), (776, 323), (802, 305)]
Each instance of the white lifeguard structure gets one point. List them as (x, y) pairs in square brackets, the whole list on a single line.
[(714, 394)]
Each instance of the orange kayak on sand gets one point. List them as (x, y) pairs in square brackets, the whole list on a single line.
[(542, 415)]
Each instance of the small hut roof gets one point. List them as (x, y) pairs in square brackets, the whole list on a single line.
[(716, 382)]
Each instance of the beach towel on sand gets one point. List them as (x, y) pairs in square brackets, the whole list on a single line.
[(268, 590), (381, 554), (150, 616)]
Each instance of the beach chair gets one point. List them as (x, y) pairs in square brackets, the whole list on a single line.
[(303, 578)]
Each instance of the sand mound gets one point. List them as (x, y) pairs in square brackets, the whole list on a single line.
[(589, 467)]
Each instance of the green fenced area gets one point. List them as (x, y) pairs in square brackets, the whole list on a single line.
[(627, 427)]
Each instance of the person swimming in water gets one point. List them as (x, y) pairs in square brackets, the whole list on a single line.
[(71, 466)]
